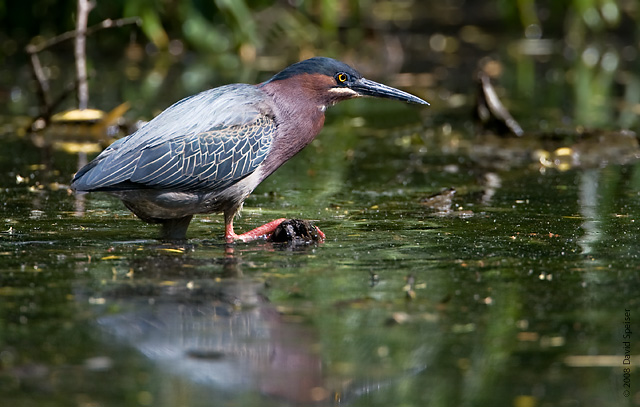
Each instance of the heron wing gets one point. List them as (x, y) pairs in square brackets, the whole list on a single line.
[(205, 142), (205, 161)]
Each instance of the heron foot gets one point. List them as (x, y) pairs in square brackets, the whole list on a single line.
[(264, 232), (254, 234)]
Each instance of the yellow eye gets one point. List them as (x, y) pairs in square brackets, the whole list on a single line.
[(342, 77)]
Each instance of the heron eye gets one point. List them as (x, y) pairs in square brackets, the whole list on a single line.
[(342, 77)]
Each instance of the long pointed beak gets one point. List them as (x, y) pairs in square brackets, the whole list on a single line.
[(365, 87)]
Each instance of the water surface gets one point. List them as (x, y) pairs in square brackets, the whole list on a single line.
[(515, 295)]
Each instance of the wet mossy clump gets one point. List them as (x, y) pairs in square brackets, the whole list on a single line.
[(295, 231)]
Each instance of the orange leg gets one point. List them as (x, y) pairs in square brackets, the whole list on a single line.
[(257, 233)]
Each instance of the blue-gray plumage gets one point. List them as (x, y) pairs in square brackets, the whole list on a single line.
[(208, 152)]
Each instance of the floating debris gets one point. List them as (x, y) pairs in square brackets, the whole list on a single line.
[(559, 149), (398, 318), (409, 287), (441, 201), (442, 204)]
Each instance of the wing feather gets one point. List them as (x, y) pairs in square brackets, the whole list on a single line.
[(230, 141)]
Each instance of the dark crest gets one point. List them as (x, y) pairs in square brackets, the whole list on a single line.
[(316, 65)]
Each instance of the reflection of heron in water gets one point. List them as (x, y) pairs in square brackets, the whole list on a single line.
[(226, 336)]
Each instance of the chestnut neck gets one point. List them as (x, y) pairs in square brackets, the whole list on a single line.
[(299, 105)]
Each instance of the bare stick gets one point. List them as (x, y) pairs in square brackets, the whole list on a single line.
[(84, 7)]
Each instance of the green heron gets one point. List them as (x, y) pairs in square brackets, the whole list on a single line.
[(208, 152)]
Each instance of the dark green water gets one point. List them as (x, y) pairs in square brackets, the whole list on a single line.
[(516, 297)]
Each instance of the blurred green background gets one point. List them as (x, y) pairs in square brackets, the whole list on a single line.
[(182, 47)]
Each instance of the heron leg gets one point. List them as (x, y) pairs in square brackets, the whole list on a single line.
[(257, 233), (175, 229)]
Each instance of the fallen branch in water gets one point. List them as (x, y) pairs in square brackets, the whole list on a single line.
[(490, 112)]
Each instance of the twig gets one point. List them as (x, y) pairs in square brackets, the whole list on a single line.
[(108, 23)]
